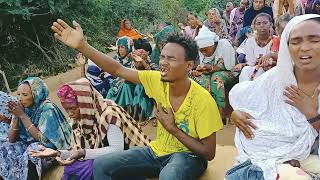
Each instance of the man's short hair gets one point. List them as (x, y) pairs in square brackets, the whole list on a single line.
[(189, 45)]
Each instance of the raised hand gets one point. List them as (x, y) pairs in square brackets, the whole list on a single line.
[(243, 122), (72, 37), (136, 58), (80, 59), (308, 105)]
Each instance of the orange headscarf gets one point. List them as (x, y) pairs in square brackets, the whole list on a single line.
[(132, 33)]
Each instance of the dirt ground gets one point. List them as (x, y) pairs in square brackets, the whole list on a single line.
[(225, 153)]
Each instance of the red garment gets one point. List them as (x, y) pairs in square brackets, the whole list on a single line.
[(275, 44), (132, 33)]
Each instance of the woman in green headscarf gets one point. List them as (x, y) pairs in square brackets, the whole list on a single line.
[(130, 96), (159, 39)]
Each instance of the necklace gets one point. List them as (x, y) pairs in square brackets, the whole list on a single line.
[(263, 43), (314, 92)]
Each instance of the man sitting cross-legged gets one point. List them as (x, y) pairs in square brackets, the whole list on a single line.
[(187, 115)]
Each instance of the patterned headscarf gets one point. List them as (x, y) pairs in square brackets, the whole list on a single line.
[(67, 95), (96, 115), (162, 36), (38, 88), (126, 42), (142, 53)]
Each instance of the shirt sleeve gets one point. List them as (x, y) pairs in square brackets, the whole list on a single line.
[(116, 143), (209, 120)]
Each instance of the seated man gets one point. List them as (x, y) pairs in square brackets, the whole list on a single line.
[(188, 116)]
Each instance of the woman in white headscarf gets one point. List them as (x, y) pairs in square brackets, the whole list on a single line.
[(217, 58), (281, 109)]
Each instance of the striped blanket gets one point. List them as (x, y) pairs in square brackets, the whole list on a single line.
[(96, 114)]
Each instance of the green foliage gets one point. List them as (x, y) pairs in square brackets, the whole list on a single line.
[(28, 47)]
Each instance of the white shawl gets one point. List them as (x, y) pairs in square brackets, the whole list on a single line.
[(283, 131)]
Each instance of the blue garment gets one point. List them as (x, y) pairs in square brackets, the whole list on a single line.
[(127, 95), (241, 34), (142, 162), (100, 80), (245, 171), (250, 14), (55, 133), (4, 127)]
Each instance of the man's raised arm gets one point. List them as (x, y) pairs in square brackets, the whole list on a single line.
[(73, 37)]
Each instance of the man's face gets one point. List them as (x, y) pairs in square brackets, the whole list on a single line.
[(304, 46), (173, 65), (258, 4)]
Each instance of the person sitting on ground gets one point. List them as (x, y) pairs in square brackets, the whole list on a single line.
[(193, 27), (126, 29), (278, 115), (255, 48), (124, 92), (217, 58), (188, 117), (36, 121), (99, 80), (226, 13), (236, 20), (99, 126), (216, 24), (257, 7)]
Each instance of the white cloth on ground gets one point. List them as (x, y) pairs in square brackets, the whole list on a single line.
[(283, 131), (247, 72)]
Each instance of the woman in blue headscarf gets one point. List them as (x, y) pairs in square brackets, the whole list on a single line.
[(38, 122)]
